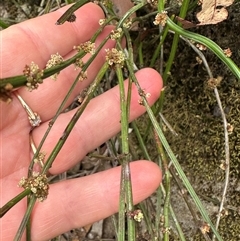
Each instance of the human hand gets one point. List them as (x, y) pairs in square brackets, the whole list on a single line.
[(77, 202)]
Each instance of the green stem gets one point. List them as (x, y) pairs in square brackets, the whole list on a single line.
[(130, 12), (3, 24), (140, 140), (25, 218), (167, 186), (65, 17), (140, 55), (157, 50), (126, 187), (74, 119), (172, 156), (147, 218), (59, 111), (178, 227), (182, 14), (178, 167), (121, 216), (208, 43), (161, 4), (159, 196), (14, 201), (171, 58), (21, 80)]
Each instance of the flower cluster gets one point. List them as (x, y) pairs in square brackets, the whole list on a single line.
[(82, 76), (205, 228), (128, 23), (161, 19), (78, 63), (40, 158), (230, 128), (201, 47), (214, 82), (34, 76), (115, 56), (87, 47), (38, 184), (101, 21), (116, 34), (227, 52), (137, 215), (5, 93), (55, 59)]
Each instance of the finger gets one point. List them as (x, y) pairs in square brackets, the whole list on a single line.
[(36, 39), (49, 95), (99, 122), (78, 202)]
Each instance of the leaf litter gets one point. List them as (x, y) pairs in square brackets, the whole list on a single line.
[(213, 11)]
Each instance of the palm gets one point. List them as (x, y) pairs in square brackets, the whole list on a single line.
[(70, 202)]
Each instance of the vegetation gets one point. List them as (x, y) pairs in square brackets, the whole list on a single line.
[(191, 132)]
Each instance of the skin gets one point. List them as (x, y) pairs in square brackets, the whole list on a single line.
[(78, 202)]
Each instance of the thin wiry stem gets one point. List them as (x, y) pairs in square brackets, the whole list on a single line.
[(74, 119), (171, 155), (227, 159), (208, 43), (25, 219), (84, 68), (225, 125), (167, 186)]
